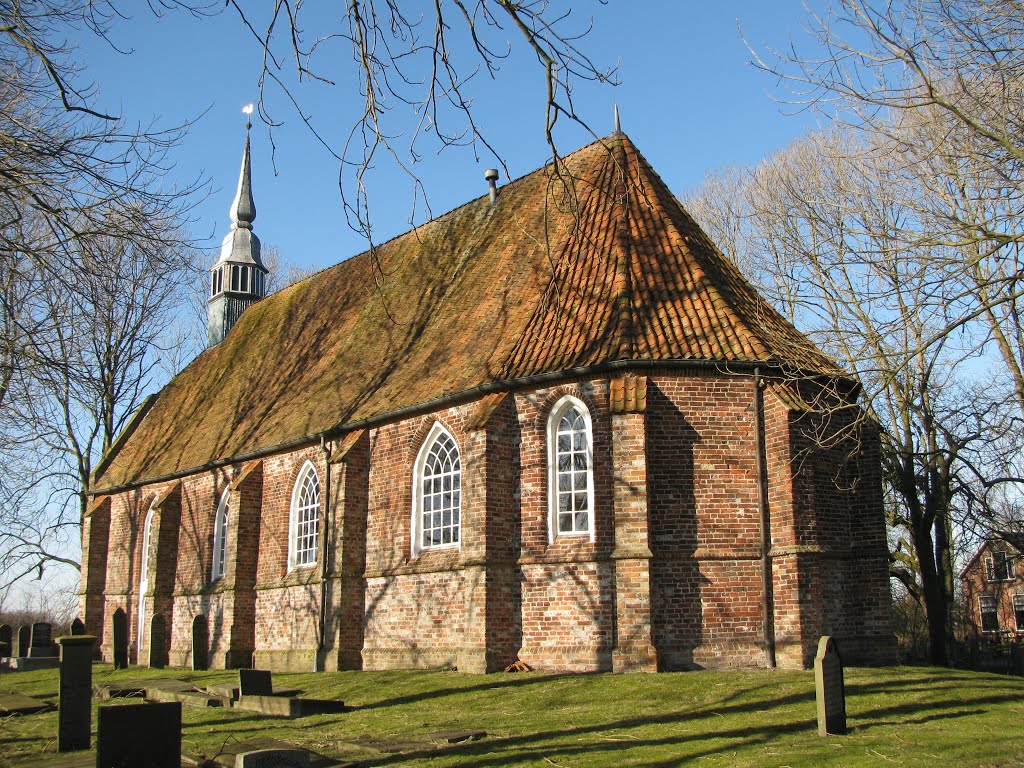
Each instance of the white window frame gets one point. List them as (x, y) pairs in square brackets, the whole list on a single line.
[(147, 545), (554, 417), (297, 518), (1018, 599), (220, 537), (992, 607), (418, 477)]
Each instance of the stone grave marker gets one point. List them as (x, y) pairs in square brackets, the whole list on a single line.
[(158, 642), (139, 734), (74, 708), (120, 637), (42, 640), (6, 640), (829, 689), (24, 640), (77, 627), (255, 682), (273, 758)]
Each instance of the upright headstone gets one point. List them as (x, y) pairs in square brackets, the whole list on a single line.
[(139, 734), (42, 640), (829, 689), (6, 640), (255, 682), (74, 710), (77, 627), (158, 642), (200, 643), (120, 635), (24, 640)]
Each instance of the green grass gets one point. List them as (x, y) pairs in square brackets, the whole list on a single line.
[(908, 716)]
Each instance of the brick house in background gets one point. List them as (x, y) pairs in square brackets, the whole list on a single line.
[(993, 588), (554, 424)]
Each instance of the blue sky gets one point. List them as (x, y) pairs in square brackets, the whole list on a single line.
[(689, 99)]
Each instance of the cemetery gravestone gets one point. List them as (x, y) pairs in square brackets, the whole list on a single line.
[(6, 640), (24, 640), (200, 643), (42, 640), (158, 642), (255, 682), (74, 713), (77, 627), (829, 689), (120, 633), (139, 734)]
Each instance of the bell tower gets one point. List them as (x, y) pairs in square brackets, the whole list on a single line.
[(238, 277)]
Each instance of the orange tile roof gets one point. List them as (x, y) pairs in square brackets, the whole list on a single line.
[(597, 264)]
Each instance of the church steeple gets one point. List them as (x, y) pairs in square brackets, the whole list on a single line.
[(238, 278)]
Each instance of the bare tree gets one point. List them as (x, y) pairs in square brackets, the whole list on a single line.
[(91, 246), (938, 84), (415, 68), (817, 221)]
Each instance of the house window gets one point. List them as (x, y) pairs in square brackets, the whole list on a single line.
[(437, 493), (989, 615), (220, 538), (305, 519), (570, 469), (1018, 611), (999, 566)]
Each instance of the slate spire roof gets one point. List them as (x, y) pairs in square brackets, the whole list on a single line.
[(589, 268)]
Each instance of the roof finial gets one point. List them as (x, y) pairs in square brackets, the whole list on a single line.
[(618, 128), (243, 209)]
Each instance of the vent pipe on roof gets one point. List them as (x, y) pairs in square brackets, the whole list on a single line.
[(491, 174)]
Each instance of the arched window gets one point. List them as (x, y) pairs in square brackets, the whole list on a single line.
[(305, 519), (220, 537), (570, 470), (437, 493), (147, 546)]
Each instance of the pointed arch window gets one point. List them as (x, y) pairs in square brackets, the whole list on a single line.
[(304, 537), (147, 547), (220, 537), (570, 470), (437, 493)]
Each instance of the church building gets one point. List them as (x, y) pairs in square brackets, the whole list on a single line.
[(555, 426)]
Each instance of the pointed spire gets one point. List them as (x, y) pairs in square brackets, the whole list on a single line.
[(243, 208), (618, 128)]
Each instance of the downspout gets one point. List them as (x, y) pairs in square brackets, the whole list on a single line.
[(325, 553), (767, 618)]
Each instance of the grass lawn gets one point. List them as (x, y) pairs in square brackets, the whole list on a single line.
[(908, 716)]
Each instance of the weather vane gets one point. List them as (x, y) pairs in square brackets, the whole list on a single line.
[(247, 110)]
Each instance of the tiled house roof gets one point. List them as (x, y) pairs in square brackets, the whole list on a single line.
[(551, 278)]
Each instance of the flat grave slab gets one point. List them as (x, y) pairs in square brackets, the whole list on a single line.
[(188, 698), (19, 704), (288, 706), (230, 752), (138, 688), (27, 664)]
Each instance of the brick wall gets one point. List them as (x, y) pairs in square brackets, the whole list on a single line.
[(669, 578)]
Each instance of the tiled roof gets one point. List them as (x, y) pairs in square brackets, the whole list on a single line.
[(557, 275)]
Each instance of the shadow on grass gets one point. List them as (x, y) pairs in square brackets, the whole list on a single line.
[(550, 745)]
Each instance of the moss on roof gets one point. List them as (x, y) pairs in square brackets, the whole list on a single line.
[(554, 276)]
